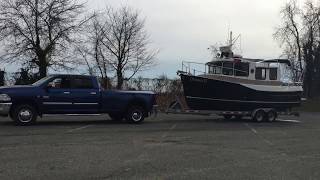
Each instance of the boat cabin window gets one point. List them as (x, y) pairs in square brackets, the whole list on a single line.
[(261, 73), (227, 68), (241, 69), (273, 73), (216, 68)]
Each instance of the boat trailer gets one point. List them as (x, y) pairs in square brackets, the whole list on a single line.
[(179, 106)]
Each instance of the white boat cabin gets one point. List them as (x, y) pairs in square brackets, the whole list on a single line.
[(269, 70)]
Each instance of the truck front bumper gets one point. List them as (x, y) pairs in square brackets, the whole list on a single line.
[(5, 108)]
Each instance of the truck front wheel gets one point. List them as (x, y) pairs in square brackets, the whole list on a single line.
[(24, 115), (135, 114)]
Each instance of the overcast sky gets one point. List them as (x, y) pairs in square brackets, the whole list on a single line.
[(184, 29)]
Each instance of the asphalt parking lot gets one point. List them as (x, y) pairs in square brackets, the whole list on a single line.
[(165, 147)]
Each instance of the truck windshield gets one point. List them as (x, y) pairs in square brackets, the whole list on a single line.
[(38, 83)]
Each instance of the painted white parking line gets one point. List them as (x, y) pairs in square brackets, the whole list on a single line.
[(167, 132), (289, 120), (256, 133), (78, 129), (252, 129)]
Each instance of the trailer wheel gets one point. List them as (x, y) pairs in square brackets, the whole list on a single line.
[(259, 115), (272, 115)]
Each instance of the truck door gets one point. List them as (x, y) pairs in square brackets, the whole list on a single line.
[(57, 98), (86, 97)]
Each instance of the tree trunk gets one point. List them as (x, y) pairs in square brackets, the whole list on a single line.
[(119, 80), (42, 66)]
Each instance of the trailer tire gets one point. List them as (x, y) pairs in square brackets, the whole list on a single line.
[(272, 115), (259, 115)]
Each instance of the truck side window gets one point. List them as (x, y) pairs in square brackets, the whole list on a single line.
[(273, 74), (261, 73), (82, 83), (59, 83)]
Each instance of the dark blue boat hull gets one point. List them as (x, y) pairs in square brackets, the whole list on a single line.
[(209, 94)]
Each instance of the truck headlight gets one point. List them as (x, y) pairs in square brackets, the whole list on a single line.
[(5, 97)]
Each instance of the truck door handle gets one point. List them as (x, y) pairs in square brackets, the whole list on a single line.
[(66, 92), (93, 93)]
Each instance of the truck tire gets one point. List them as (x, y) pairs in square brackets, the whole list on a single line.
[(116, 116), (259, 115), (135, 114), (24, 115), (272, 115)]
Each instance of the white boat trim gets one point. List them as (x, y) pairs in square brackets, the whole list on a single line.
[(85, 103), (68, 103), (57, 103), (274, 88), (229, 100)]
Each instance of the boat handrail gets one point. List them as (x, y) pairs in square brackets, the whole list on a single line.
[(186, 67)]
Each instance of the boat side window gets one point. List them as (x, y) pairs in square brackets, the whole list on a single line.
[(227, 68), (261, 73), (241, 69), (273, 73), (215, 68)]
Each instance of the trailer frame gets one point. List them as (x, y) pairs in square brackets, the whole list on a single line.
[(178, 107)]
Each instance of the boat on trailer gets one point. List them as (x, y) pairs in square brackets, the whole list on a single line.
[(231, 83)]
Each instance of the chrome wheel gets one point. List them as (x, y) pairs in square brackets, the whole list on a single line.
[(136, 116), (25, 115)]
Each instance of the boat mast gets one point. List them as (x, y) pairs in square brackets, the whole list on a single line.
[(230, 40)]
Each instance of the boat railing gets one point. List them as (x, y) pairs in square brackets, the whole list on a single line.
[(190, 68)]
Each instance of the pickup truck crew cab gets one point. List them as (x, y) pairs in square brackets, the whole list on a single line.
[(73, 94)]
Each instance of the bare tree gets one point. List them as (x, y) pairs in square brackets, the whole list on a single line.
[(39, 31), (124, 43), (289, 34), (303, 42), (91, 50)]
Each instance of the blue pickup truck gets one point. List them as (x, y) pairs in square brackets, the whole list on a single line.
[(73, 94)]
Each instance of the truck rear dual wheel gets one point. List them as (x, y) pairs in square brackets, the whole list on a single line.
[(24, 115), (135, 114)]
